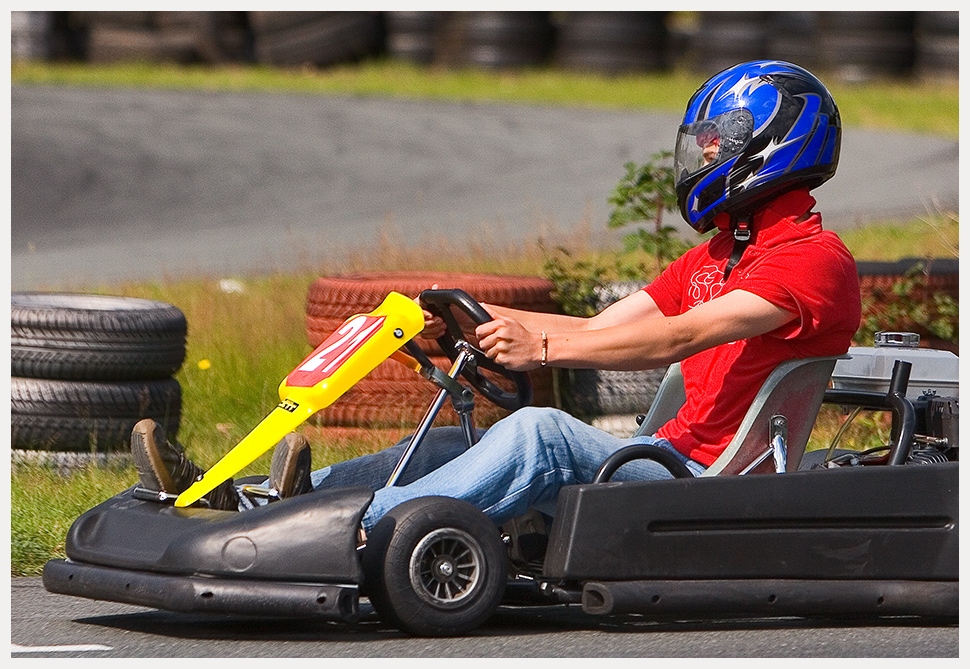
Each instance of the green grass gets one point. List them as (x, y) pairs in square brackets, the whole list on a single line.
[(930, 236), (897, 105)]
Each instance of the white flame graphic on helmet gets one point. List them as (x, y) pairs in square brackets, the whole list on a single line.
[(746, 84)]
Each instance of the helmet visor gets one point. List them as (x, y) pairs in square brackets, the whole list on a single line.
[(711, 141)]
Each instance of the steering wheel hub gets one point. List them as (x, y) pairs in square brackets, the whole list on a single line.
[(441, 303)]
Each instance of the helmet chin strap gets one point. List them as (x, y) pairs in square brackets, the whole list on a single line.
[(743, 235)]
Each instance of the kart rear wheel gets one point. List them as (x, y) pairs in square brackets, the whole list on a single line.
[(435, 566)]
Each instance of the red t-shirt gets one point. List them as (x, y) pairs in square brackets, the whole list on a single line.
[(796, 266)]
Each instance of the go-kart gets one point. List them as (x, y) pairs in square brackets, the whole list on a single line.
[(767, 530)]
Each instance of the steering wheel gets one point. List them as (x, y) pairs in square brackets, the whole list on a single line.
[(441, 303)]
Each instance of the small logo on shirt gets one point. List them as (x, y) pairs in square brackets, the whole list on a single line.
[(706, 284)]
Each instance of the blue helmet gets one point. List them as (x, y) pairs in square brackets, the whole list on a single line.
[(750, 133)]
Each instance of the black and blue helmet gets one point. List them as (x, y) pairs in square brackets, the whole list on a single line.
[(750, 133)]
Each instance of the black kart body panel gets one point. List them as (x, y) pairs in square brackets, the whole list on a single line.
[(296, 557), (828, 524), (311, 537), (867, 541)]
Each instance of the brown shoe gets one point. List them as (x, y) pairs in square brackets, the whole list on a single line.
[(289, 472), (164, 467)]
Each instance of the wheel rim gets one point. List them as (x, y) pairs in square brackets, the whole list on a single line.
[(446, 568)]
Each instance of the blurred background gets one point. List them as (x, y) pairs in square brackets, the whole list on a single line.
[(853, 46)]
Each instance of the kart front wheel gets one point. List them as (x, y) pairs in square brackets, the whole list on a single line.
[(435, 566)]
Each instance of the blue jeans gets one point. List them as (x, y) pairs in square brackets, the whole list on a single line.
[(520, 462)]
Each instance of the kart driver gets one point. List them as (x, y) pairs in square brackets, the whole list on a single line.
[(769, 286)]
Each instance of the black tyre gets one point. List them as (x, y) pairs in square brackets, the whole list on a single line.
[(612, 42), (435, 566), (315, 38), (49, 415), (728, 38), (494, 39), (410, 35), (94, 337), (862, 46)]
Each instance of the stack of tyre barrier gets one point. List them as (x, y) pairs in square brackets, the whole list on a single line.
[(861, 46), (937, 45), (315, 38), (612, 42), (724, 39), (176, 37), (848, 45), (31, 35), (392, 395), (611, 400), (410, 35), (85, 369), (493, 39), (791, 37)]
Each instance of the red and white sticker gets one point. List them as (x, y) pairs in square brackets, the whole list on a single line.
[(335, 350)]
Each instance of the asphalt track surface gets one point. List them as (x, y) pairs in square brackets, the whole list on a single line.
[(110, 185), (89, 629)]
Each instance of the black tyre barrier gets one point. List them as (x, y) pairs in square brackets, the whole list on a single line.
[(315, 38), (88, 416), (94, 337), (862, 46), (792, 37), (597, 393), (67, 462), (411, 35), (31, 35), (494, 39), (180, 37), (612, 42), (594, 392), (725, 39), (937, 46), (113, 19)]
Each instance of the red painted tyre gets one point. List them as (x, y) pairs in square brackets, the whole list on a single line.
[(392, 395)]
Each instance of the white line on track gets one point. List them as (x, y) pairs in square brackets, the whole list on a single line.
[(79, 648)]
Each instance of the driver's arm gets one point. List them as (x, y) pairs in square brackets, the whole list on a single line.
[(645, 343), (630, 309)]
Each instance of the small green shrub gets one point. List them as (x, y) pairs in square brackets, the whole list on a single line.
[(642, 196)]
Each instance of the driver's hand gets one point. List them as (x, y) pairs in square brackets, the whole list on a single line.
[(434, 326), (508, 343)]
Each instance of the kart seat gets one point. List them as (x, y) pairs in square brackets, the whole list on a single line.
[(794, 390)]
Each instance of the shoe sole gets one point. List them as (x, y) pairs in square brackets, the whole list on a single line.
[(146, 455), (285, 465)]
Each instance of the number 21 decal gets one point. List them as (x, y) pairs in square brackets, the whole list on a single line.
[(331, 354)]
